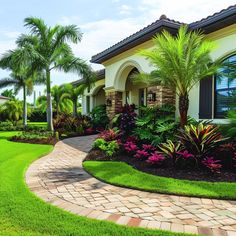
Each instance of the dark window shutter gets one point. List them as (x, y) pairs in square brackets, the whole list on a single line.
[(205, 101)]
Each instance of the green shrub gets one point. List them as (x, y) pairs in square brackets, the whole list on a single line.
[(67, 124), (99, 117), (109, 147), (155, 125)]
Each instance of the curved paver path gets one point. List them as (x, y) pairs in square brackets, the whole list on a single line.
[(59, 178)]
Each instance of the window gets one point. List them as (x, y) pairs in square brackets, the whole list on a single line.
[(87, 104), (225, 91)]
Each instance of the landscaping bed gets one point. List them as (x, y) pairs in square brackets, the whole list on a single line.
[(185, 174), (35, 137), (152, 152)]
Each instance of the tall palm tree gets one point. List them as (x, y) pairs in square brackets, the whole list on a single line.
[(23, 75), (180, 63), (50, 50), (73, 93)]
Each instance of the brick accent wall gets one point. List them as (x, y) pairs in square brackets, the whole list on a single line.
[(116, 102)]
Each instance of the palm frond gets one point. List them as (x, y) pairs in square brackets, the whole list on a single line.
[(5, 82), (37, 26)]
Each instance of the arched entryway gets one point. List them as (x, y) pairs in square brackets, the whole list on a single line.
[(99, 97), (135, 93)]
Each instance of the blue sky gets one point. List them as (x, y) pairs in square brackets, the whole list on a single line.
[(103, 23)]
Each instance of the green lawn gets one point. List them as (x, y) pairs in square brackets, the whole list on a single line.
[(122, 174), (39, 124), (22, 213)]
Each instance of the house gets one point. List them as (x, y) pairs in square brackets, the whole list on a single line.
[(208, 100), (3, 99)]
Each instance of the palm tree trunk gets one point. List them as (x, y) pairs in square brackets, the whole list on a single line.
[(75, 108), (57, 109), (49, 102), (183, 109), (24, 107)]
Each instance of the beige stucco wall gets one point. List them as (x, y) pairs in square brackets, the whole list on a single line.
[(225, 41), (2, 101), (94, 101), (118, 67)]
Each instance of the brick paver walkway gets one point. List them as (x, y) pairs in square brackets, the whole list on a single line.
[(59, 178)]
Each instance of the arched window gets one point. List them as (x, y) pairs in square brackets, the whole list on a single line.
[(225, 90)]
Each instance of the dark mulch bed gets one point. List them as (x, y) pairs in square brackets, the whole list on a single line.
[(48, 141), (198, 175)]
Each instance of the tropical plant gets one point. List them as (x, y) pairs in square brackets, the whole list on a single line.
[(67, 124), (49, 50), (170, 149), (99, 117), (13, 110), (155, 125), (73, 93), (213, 165), (201, 140), (125, 120), (108, 147), (109, 135), (156, 159), (22, 76), (180, 63), (59, 101), (8, 93), (230, 129)]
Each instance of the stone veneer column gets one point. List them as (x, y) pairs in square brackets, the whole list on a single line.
[(116, 102), (164, 96)]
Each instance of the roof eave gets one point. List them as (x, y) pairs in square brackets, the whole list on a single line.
[(137, 39)]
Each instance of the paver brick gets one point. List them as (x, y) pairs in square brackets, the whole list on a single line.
[(59, 179)]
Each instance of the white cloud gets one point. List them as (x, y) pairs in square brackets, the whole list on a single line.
[(100, 35), (182, 10), (125, 9)]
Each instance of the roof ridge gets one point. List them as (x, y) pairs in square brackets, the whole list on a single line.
[(214, 14), (136, 33)]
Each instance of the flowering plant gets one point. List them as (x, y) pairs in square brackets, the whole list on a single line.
[(148, 148), (141, 154), (185, 154), (156, 159), (130, 147), (211, 164)]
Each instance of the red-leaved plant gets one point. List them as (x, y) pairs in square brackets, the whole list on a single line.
[(213, 165), (156, 159)]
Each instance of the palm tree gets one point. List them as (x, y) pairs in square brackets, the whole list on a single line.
[(21, 80), (73, 94), (41, 103), (49, 49), (180, 63), (60, 102), (23, 75)]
